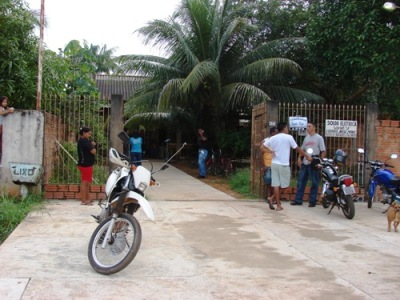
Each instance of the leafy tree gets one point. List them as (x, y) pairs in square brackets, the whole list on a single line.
[(283, 19), (276, 18), (354, 46), (210, 74), (73, 70), (18, 53), (56, 70)]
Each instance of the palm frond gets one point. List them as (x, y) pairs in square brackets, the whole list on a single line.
[(275, 48), (205, 72), (170, 94), (242, 95), (288, 94), (276, 69), (168, 36), (144, 102), (229, 36), (147, 65)]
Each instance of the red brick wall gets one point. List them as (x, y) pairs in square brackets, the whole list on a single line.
[(388, 133), (71, 191)]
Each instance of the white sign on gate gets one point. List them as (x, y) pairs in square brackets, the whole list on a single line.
[(297, 123), (341, 128)]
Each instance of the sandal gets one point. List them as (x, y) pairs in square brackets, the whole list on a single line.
[(279, 208), (271, 206), (87, 203)]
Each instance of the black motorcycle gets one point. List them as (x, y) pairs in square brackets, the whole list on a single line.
[(337, 190)]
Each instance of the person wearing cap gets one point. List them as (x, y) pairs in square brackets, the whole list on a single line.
[(86, 154), (316, 142)]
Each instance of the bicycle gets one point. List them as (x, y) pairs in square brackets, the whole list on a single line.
[(216, 163)]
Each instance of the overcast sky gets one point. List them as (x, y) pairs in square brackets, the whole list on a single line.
[(102, 22)]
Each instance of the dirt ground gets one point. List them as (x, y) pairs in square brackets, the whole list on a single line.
[(217, 182)]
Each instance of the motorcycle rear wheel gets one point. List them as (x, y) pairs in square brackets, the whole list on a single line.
[(122, 248), (348, 208)]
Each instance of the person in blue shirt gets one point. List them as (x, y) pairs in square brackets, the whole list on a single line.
[(202, 145), (136, 148)]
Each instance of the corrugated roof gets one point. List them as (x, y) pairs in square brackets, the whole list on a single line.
[(123, 85)]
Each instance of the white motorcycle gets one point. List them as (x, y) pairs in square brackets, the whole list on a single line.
[(116, 240)]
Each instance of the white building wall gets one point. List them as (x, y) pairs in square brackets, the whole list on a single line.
[(23, 133)]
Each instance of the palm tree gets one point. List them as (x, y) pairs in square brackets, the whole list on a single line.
[(210, 74), (85, 62)]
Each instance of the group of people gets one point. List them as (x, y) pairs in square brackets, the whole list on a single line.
[(276, 164), (86, 159), (275, 156)]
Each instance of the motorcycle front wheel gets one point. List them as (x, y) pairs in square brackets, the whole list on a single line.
[(120, 250), (348, 208), (373, 198)]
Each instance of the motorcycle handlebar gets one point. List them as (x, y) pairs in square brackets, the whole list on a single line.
[(375, 163)]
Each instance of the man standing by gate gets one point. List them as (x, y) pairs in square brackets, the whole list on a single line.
[(314, 141), (281, 144)]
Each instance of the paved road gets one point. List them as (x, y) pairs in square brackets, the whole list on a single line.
[(211, 248)]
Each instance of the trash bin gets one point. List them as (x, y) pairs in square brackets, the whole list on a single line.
[(25, 175)]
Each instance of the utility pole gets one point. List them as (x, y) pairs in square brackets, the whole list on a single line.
[(40, 61)]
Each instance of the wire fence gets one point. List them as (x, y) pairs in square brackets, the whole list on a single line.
[(63, 118)]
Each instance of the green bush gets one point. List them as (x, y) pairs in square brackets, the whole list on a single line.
[(14, 210), (235, 144)]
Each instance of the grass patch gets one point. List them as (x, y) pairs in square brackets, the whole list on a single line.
[(240, 182), (13, 210)]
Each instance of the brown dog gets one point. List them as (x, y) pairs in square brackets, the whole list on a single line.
[(393, 215)]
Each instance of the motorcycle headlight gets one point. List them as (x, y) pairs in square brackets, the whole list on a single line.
[(142, 187)]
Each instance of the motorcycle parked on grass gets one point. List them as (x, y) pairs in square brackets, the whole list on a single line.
[(380, 176), (337, 190), (116, 240)]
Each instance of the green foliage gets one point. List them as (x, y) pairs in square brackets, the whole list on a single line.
[(14, 210), (66, 170), (74, 112), (18, 54), (211, 72), (240, 182), (72, 71), (353, 45), (235, 144)]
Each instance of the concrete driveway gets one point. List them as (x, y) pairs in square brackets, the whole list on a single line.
[(212, 248)]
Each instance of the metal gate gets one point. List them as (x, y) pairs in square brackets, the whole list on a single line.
[(268, 114)]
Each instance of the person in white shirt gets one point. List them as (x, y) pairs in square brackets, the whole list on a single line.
[(281, 144)]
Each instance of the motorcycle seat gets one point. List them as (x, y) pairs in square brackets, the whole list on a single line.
[(395, 181)]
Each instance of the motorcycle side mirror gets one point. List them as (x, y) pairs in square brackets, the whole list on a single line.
[(360, 150), (115, 153), (393, 156), (124, 137), (310, 151)]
